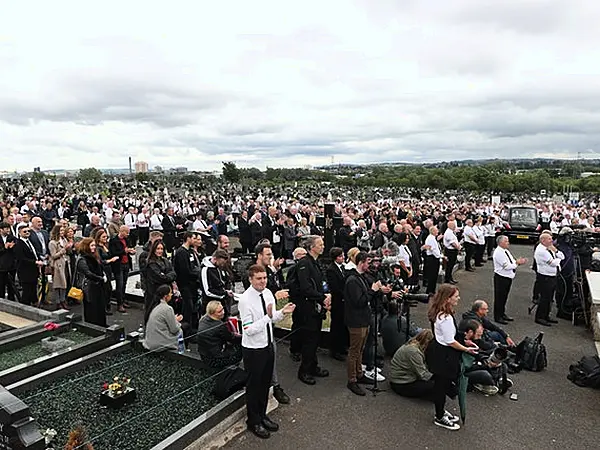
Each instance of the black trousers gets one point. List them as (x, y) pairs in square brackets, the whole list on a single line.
[(469, 254), (7, 284), (431, 270), (441, 386), (296, 333), (416, 389), (143, 235), (338, 332), (189, 309), (547, 288), (311, 334), (259, 365), (133, 238), (490, 242), (451, 254), (501, 289), (479, 251), (29, 295)]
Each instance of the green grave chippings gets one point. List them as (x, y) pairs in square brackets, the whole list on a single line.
[(154, 416), (34, 350)]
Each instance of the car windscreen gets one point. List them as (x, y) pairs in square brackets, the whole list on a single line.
[(523, 216)]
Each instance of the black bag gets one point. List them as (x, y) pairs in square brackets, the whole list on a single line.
[(229, 381), (586, 373), (531, 354)]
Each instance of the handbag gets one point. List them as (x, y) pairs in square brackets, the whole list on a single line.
[(75, 293)]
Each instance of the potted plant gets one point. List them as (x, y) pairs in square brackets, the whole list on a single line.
[(117, 393)]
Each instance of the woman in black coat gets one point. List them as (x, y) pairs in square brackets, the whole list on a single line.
[(101, 239), (158, 271), (91, 279)]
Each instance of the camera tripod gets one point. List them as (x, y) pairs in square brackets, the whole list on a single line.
[(375, 388)]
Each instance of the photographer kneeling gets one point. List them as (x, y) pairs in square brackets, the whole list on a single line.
[(409, 375), (488, 369)]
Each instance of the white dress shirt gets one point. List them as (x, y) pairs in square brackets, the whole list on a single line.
[(548, 262), (505, 263), (435, 251), (480, 234), (131, 221), (469, 234), (255, 321), (450, 239), (142, 221), (405, 255), (156, 222)]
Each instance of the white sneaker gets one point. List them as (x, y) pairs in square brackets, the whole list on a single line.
[(486, 389), (364, 368), (444, 422), (370, 374), (451, 417)]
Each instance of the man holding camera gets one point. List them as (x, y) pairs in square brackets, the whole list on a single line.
[(358, 295), (492, 333), (548, 260)]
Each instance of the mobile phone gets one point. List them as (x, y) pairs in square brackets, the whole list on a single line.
[(514, 397)]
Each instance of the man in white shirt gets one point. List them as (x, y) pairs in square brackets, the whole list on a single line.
[(470, 244), (505, 266), (258, 313), (156, 220), (433, 258), (451, 249), (130, 221), (547, 259), (143, 225)]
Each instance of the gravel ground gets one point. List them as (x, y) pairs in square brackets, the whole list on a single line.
[(34, 350), (156, 413)]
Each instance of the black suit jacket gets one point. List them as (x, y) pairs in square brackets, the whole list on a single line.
[(33, 237), (116, 248), (7, 255), (168, 226), (27, 269), (336, 282)]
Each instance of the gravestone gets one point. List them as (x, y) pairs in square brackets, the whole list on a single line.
[(18, 430)]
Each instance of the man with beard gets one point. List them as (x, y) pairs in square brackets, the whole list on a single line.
[(313, 302)]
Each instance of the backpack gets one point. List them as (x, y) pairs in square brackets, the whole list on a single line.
[(586, 373), (531, 354), (229, 381)]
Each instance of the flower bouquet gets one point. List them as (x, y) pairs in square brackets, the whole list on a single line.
[(117, 393)]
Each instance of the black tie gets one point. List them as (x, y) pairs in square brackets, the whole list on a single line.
[(264, 305)]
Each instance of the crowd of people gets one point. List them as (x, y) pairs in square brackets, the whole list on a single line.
[(386, 246)]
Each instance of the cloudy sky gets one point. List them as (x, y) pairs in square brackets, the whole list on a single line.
[(285, 84)]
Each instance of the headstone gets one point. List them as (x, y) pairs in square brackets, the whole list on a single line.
[(18, 430)]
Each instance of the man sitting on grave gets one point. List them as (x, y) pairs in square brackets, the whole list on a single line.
[(217, 345)]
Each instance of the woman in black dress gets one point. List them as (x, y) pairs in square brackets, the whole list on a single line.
[(158, 271), (90, 278)]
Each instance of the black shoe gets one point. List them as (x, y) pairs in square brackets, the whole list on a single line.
[(507, 318), (108, 312), (543, 322), (453, 282), (338, 356), (321, 373), (296, 357), (501, 321), (280, 396), (356, 389), (260, 431), (365, 380), (270, 425), (470, 269), (306, 379), (551, 320), (478, 265)]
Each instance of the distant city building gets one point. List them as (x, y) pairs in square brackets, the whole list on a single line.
[(141, 167), (178, 170), (36, 169), (158, 169)]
